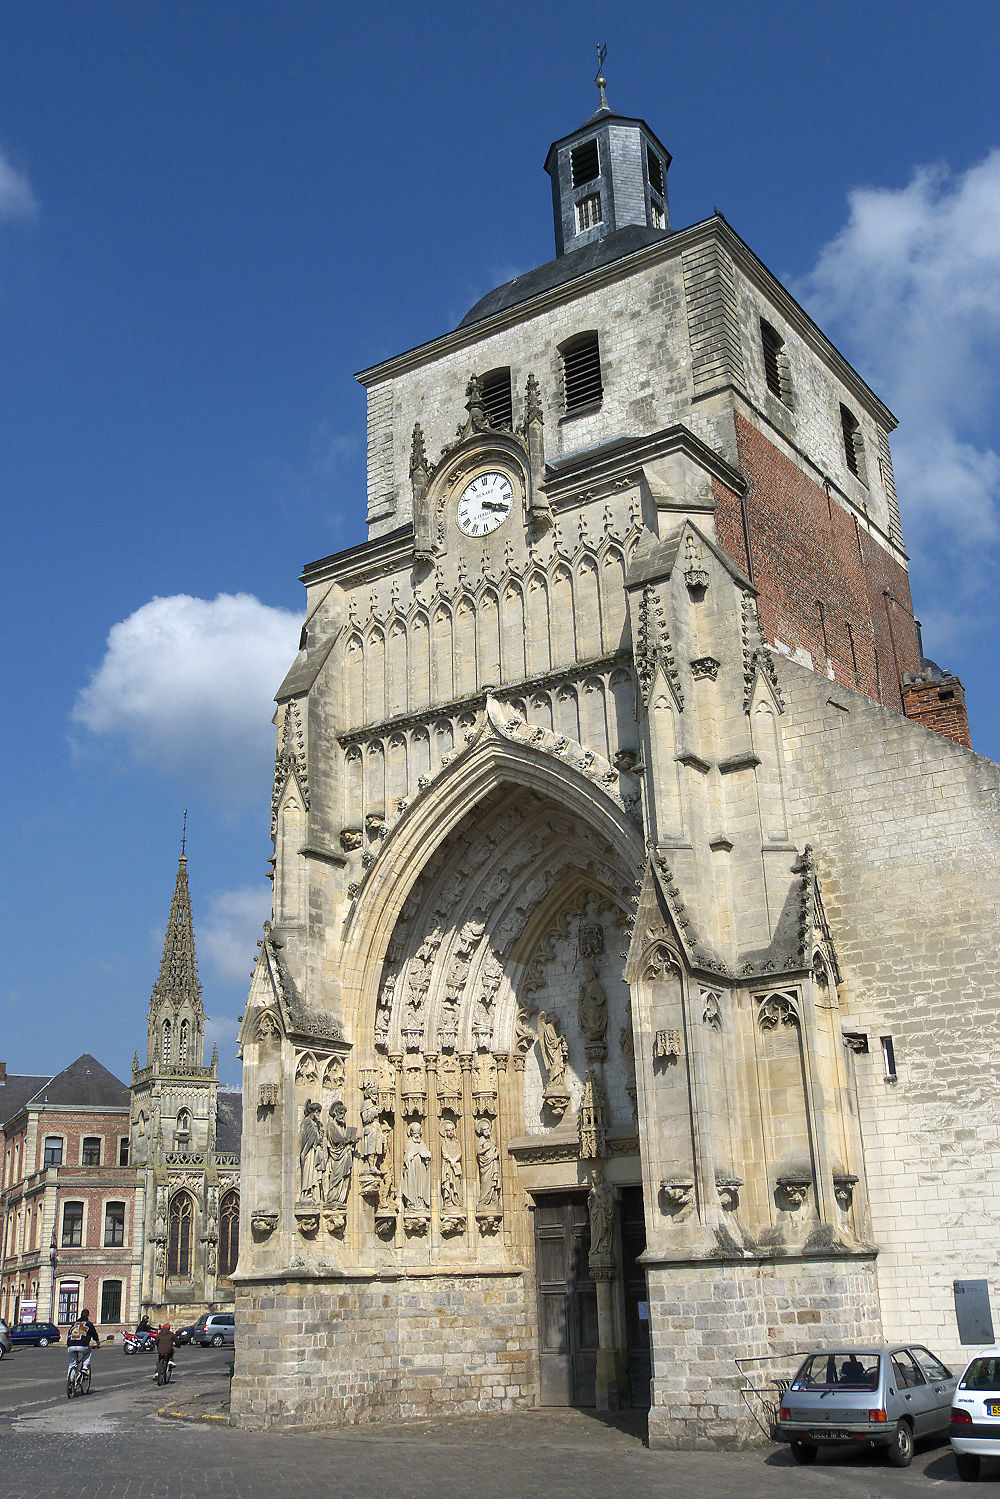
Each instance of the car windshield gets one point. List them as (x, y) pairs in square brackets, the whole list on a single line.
[(838, 1371), (982, 1374)]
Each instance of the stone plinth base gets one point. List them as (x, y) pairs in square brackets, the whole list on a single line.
[(352, 1350), (705, 1316)]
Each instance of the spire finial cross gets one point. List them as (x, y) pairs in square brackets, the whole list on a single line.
[(600, 80), (184, 829)]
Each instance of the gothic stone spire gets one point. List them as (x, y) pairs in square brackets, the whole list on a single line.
[(178, 980)]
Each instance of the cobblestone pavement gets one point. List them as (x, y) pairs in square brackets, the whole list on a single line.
[(115, 1444)]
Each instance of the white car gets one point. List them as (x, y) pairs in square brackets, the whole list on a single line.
[(975, 1413)]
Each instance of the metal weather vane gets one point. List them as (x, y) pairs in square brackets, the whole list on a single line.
[(600, 80)]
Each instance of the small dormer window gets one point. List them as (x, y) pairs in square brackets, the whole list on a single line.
[(854, 447), (588, 212), (498, 404), (586, 163), (654, 170), (583, 387)]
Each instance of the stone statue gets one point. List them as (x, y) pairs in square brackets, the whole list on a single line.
[(341, 1138), (602, 1216), (372, 1145), (555, 1052), (451, 1166), (593, 1007), (488, 1161), (312, 1153), (416, 1184), (387, 1180)]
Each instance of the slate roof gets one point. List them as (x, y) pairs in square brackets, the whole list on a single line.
[(565, 268), (15, 1091), (228, 1121), (83, 1084)]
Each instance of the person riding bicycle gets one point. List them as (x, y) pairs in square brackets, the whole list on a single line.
[(78, 1341), (166, 1345)]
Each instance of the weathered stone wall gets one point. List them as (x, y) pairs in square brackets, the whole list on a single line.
[(363, 1349), (703, 1317), (905, 826)]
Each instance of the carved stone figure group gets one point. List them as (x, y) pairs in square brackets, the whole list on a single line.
[(326, 1154)]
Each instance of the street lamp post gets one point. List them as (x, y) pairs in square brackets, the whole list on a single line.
[(52, 1261)]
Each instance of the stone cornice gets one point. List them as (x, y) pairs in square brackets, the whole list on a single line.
[(668, 249), (361, 563), (593, 469)]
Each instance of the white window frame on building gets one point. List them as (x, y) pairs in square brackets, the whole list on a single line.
[(89, 1145), (115, 1223), (68, 1301), (78, 1219), (103, 1314), (48, 1144)]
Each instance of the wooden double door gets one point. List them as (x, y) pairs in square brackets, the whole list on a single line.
[(567, 1298)]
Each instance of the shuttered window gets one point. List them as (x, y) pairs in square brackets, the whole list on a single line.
[(582, 384), (497, 401), (854, 448), (586, 163), (776, 371), (654, 168)]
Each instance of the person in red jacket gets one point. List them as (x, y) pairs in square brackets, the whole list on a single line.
[(166, 1345)]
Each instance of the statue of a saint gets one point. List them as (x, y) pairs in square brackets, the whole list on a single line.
[(451, 1166), (372, 1139), (488, 1161), (593, 1007), (312, 1154), (602, 1217), (416, 1184), (555, 1052), (341, 1138)]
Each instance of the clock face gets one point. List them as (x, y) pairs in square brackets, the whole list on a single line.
[(485, 504)]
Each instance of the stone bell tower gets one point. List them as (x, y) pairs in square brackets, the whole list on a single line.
[(592, 797)]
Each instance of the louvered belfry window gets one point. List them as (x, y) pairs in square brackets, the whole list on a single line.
[(497, 401), (582, 384), (588, 212), (586, 163), (854, 451), (654, 167), (772, 345)]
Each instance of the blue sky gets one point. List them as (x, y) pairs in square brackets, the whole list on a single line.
[(211, 216)]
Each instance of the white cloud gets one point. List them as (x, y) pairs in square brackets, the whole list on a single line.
[(188, 683), (911, 287), (228, 938), (17, 201)]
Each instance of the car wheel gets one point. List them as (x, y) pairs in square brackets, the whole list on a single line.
[(218, 1340), (900, 1451), (967, 1464), (42, 1343), (2, 1350), (804, 1452)]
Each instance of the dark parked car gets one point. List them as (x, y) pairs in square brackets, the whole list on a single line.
[(190, 1334), (39, 1333)]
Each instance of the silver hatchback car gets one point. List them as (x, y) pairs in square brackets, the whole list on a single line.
[(883, 1396)]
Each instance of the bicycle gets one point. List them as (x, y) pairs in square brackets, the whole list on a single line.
[(78, 1381), (164, 1369)]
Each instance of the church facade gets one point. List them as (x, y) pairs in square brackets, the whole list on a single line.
[(185, 1134), (626, 932)]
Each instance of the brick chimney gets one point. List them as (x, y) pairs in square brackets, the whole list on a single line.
[(937, 700)]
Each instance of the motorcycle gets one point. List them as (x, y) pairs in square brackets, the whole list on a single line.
[(138, 1342)]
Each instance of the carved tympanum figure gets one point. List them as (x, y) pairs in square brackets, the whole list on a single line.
[(312, 1153), (415, 1188), (341, 1138), (488, 1161), (451, 1166), (593, 1007)]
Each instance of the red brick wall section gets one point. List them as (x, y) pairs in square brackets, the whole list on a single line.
[(939, 705), (825, 585)]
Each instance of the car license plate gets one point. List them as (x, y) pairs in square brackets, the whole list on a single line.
[(830, 1434), (993, 1407)]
